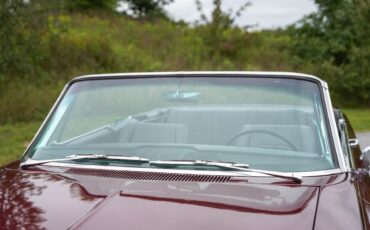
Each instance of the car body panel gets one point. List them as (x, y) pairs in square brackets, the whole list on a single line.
[(338, 203), (57, 200), (41, 200), (362, 183), (45, 197)]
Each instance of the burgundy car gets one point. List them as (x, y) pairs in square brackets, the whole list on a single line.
[(190, 150)]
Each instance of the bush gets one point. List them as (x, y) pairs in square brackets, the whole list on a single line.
[(40, 58), (22, 23), (27, 102)]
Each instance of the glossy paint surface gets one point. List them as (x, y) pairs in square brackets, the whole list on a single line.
[(42, 199), (363, 182), (338, 207)]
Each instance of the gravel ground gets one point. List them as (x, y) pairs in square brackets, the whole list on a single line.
[(364, 139)]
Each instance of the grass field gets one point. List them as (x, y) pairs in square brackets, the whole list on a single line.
[(359, 118), (15, 137)]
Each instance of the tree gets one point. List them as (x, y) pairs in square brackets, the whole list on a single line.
[(220, 33), (109, 5), (142, 8), (327, 34), (22, 22), (336, 38), (220, 19)]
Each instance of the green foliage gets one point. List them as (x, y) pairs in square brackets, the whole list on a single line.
[(15, 40), (26, 102), (76, 44), (143, 8), (336, 40), (20, 47), (40, 53), (84, 5), (14, 139), (360, 119), (223, 38)]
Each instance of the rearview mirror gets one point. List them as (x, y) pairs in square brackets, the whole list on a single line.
[(181, 96)]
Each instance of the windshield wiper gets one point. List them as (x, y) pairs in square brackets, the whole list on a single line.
[(229, 165), (30, 162)]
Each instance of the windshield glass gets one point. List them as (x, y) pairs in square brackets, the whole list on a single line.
[(268, 123)]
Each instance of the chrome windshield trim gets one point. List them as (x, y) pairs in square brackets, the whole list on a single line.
[(343, 163), (343, 166), (196, 172), (46, 120), (217, 73)]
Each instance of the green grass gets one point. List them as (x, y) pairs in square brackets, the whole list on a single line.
[(14, 139), (359, 118)]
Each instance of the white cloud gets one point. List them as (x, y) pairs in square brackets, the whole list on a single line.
[(264, 13)]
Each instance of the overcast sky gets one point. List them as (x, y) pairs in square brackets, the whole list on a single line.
[(265, 14)]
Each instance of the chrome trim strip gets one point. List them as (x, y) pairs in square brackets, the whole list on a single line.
[(343, 164), (46, 119), (262, 73), (332, 124), (193, 172)]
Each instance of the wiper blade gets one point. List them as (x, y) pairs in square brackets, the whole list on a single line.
[(31, 162), (229, 165)]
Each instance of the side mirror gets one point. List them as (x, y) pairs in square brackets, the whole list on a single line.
[(365, 154), (360, 173)]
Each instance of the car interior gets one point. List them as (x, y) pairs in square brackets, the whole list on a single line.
[(260, 127)]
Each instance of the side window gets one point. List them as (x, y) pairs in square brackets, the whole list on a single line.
[(343, 133)]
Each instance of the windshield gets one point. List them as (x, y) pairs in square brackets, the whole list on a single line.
[(267, 123)]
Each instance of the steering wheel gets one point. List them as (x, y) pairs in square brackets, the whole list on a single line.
[(246, 132)]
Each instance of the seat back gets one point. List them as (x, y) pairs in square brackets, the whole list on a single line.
[(142, 132), (202, 124)]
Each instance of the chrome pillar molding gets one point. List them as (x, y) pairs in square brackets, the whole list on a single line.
[(47, 118), (343, 161)]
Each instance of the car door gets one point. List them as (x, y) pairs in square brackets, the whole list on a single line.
[(359, 164)]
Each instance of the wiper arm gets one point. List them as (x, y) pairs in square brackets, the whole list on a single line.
[(30, 162), (229, 165), (290, 176)]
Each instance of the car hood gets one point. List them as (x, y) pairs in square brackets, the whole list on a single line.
[(50, 200)]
